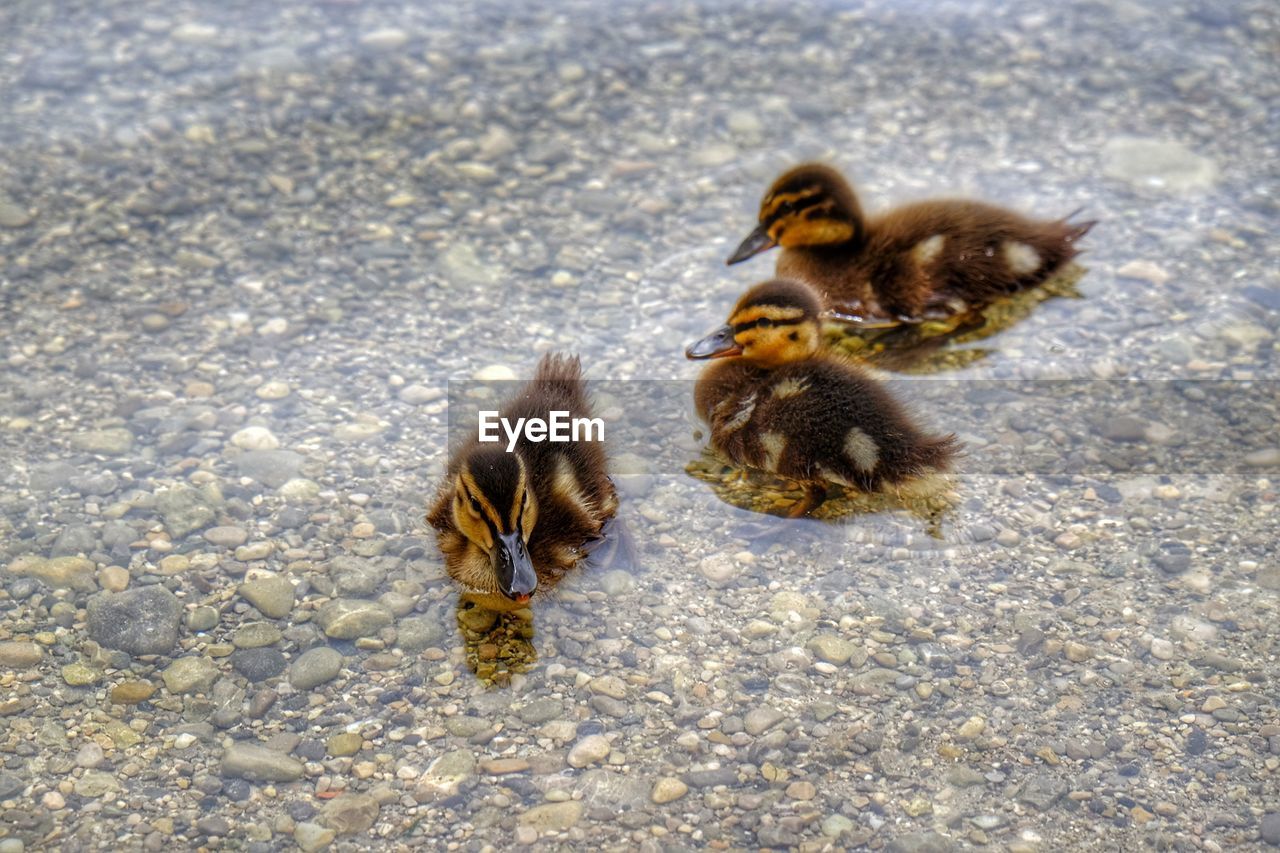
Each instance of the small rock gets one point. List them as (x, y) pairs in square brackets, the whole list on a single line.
[(349, 814), (132, 692), (255, 438), (190, 674), (553, 817), (141, 621), (760, 720), (971, 728), (833, 649), (802, 790), (59, 572), (589, 750), (1157, 164), (258, 764), (1162, 649), (1271, 829), (108, 442), (347, 619), (668, 789), (272, 595), (315, 667), (20, 655), (226, 537), (312, 837)]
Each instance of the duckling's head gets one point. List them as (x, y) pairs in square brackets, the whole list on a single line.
[(494, 507), (810, 205), (773, 323)]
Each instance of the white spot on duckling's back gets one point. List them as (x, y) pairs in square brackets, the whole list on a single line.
[(861, 449), (566, 487), (790, 388), (1021, 258), (773, 444), (926, 251), (743, 414)]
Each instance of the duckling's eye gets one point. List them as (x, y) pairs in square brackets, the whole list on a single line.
[(764, 323), (787, 207), (475, 506)]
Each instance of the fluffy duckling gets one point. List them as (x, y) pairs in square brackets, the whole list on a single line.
[(780, 404), (919, 262), (511, 523)]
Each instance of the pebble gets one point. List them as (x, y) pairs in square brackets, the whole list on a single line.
[(760, 720), (350, 814), (494, 373), (12, 214), (255, 438), (417, 395), (668, 789), (114, 579), (108, 442), (80, 674), (1157, 164), (555, 817), (971, 728), (833, 649), (20, 655), (312, 837), (347, 619), (589, 750), (1161, 649), (315, 667), (140, 621), (190, 674), (258, 664), (254, 635), (802, 790), (77, 573), (226, 537), (271, 390), (132, 692), (272, 595), (259, 764), (1270, 828), (386, 39), (1268, 457)]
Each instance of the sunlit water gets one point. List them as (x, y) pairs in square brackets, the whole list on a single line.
[(367, 201)]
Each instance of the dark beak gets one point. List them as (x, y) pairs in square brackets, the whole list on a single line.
[(718, 344), (757, 241), (516, 577)]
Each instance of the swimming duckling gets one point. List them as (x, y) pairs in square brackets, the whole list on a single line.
[(511, 523), (781, 405), (922, 261)]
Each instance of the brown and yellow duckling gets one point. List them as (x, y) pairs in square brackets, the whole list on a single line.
[(511, 523), (922, 261), (780, 404)]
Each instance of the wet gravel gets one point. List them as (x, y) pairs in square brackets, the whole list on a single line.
[(244, 248)]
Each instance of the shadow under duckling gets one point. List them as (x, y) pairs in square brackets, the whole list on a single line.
[(923, 261), (781, 404), (510, 524)]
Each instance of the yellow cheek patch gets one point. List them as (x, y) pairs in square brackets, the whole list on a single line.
[(815, 233)]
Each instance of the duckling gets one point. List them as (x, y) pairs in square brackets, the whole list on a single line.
[(511, 523), (922, 261), (783, 405)]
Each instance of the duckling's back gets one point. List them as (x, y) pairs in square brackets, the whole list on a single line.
[(818, 419), (570, 479)]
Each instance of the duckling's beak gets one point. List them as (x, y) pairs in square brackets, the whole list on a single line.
[(718, 344), (516, 577), (757, 241)]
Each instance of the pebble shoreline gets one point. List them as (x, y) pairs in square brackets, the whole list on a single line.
[(242, 250)]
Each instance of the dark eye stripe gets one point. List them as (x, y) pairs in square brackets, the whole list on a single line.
[(742, 327), (795, 207)]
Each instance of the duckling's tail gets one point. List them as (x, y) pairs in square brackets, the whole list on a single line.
[(559, 368), (1076, 230), (935, 453)]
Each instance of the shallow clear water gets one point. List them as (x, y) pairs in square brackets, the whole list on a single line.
[(320, 219)]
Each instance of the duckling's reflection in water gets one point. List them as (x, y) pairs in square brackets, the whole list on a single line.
[(936, 346), (928, 500), (499, 643)]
